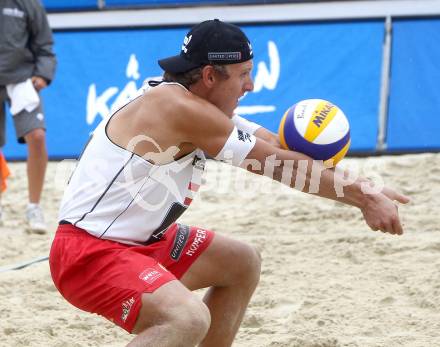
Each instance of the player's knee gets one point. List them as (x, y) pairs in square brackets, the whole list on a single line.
[(36, 137), (194, 320), (199, 320), (254, 263), (184, 316), (249, 264)]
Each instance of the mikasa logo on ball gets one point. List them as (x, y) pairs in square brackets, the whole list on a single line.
[(321, 116)]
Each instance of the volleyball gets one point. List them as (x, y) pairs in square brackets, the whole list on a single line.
[(316, 128)]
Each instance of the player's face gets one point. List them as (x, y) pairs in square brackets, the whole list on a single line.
[(228, 91)]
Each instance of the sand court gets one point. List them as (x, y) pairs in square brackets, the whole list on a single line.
[(327, 280)]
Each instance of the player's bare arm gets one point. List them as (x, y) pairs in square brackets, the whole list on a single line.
[(268, 136), (213, 131), (209, 130), (379, 210)]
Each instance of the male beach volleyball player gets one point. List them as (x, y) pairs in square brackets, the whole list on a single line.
[(118, 251)]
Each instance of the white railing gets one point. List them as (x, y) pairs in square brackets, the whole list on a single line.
[(318, 11)]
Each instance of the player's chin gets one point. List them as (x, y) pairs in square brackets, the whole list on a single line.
[(229, 111), (232, 108)]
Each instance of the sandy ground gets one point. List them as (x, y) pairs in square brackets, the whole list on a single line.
[(327, 280)]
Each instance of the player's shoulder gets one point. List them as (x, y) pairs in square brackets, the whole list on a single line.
[(168, 94), (179, 101)]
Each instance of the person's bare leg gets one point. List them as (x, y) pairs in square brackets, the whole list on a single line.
[(232, 270), (172, 316), (36, 163)]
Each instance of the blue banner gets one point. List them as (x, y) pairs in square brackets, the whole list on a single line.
[(414, 90), (122, 3), (69, 5), (125, 3), (340, 62)]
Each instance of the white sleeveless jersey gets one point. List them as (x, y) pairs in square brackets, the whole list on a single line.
[(117, 195)]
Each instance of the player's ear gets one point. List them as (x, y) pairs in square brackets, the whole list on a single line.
[(208, 75)]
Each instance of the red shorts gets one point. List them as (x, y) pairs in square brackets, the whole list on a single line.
[(109, 278)]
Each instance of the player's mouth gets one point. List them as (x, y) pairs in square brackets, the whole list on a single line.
[(242, 96)]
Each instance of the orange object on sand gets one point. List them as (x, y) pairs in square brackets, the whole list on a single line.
[(4, 172)]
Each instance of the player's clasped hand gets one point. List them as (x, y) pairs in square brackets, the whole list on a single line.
[(381, 212)]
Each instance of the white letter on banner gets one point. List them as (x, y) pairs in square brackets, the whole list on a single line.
[(264, 78), (132, 67), (129, 92), (98, 105)]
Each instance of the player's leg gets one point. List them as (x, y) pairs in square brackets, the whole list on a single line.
[(36, 163), (30, 128), (231, 270), (171, 316), (127, 287)]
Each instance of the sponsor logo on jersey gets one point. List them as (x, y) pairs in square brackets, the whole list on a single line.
[(180, 241), (198, 163), (243, 136), (150, 275), (198, 240), (126, 307)]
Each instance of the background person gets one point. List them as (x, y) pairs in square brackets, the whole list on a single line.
[(27, 65)]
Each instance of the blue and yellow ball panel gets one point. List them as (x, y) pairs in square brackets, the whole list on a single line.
[(290, 137)]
